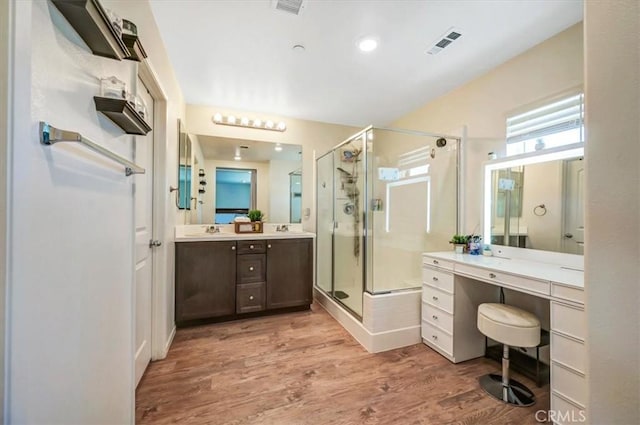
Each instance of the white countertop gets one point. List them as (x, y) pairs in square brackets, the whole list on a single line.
[(198, 233), (521, 267)]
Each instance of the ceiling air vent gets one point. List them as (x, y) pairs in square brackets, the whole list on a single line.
[(445, 40), (294, 7)]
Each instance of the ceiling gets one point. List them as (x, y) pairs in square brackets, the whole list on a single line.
[(239, 54), (223, 149)]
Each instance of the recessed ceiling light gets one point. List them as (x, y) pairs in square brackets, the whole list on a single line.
[(367, 44)]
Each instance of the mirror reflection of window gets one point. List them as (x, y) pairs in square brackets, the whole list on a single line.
[(235, 193)]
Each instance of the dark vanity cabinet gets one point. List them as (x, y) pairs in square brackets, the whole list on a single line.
[(226, 280), (205, 280), (289, 272)]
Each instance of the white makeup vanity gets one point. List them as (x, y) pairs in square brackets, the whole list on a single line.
[(454, 285)]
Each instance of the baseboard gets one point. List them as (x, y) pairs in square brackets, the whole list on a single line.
[(372, 342), (165, 350)]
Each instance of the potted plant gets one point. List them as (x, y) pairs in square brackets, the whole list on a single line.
[(459, 243), (255, 215)]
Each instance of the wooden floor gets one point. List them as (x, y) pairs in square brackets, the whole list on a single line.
[(304, 368)]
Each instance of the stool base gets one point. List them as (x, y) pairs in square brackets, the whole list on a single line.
[(517, 393)]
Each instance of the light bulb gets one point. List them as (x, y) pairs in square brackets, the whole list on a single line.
[(244, 121), (282, 126), (257, 123), (231, 119), (269, 124), (217, 117)]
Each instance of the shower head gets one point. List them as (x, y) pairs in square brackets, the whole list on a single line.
[(441, 142)]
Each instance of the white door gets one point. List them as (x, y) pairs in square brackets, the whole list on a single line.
[(143, 194), (573, 236)]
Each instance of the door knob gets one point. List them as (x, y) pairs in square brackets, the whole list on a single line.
[(568, 235), (154, 242)]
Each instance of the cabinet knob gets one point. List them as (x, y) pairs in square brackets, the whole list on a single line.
[(434, 337), (251, 297), (492, 275), (269, 246), (233, 248), (250, 246), (435, 298), (435, 317), (251, 268), (435, 279)]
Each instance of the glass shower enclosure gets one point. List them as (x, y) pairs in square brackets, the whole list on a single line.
[(384, 196)]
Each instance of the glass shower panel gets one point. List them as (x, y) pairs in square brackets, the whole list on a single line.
[(413, 205), (324, 223), (348, 258)]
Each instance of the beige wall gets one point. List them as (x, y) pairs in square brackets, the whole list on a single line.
[(279, 198), (316, 138), (482, 105), (612, 249)]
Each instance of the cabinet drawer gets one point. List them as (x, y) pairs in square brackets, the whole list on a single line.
[(437, 298), (566, 412), (567, 293), (438, 279), (434, 336), (505, 279), (436, 262), (569, 352), (568, 320), (568, 383), (250, 297), (252, 247), (251, 268), (437, 317)]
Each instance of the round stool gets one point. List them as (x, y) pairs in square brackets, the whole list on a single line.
[(510, 326)]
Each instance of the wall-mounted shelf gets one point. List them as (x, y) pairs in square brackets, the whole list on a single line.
[(90, 21), (136, 51), (123, 114)]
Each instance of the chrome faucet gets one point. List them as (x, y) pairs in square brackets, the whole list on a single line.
[(282, 228), (213, 229)]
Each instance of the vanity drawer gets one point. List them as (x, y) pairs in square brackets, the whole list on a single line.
[(567, 293), (506, 279), (434, 336), (437, 298), (250, 297), (252, 247), (568, 383), (251, 268), (567, 412), (569, 352), (436, 262), (437, 317), (568, 320), (438, 279)]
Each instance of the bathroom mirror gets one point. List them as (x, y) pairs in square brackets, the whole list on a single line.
[(184, 168), (536, 201), (253, 175)]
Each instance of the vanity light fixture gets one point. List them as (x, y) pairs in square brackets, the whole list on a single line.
[(247, 122)]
